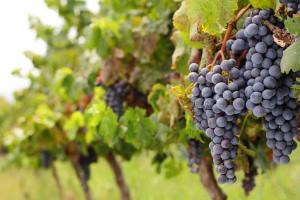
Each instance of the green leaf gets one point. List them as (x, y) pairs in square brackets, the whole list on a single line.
[(106, 23), (211, 16), (157, 91), (65, 84), (172, 168), (45, 116), (187, 34), (108, 127), (180, 54), (290, 60), (243, 3), (138, 129), (293, 25), (73, 124), (95, 113), (263, 3), (190, 129), (186, 38)]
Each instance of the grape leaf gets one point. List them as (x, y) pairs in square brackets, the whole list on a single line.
[(172, 168), (190, 128), (211, 16), (180, 19), (243, 3), (180, 54), (293, 25), (108, 127), (73, 124), (182, 96), (157, 91), (263, 3), (45, 116), (290, 60), (138, 129)]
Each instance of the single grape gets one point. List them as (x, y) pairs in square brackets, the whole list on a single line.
[(256, 97), (193, 67), (206, 92), (251, 30)]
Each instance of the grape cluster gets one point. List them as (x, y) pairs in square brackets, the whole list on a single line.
[(194, 155), (218, 100), (248, 182), (85, 160), (115, 95), (224, 92), (268, 91), (293, 6), (281, 122), (46, 159), (262, 62)]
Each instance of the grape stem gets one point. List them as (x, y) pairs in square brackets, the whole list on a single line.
[(231, 25), (281, 36), (241, 57), (247, 151), (219, 53), (244, 123)]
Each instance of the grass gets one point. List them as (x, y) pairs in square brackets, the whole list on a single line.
[(18, 184)]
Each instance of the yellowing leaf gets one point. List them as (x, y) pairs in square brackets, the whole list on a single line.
[(182, 97), (73, 124), (180, 18), (211, 16), (263, 3), (45, 116)]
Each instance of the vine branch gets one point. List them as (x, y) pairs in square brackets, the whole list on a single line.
[(57, 180), (208, 180), (119, 177), (84, 185), (230, 26)]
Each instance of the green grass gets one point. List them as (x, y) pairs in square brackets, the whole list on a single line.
[(281, 183)]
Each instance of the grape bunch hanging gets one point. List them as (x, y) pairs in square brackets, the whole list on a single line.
[(293, 6), (227, 90), (194, 155), (115, 96), (85, 160)]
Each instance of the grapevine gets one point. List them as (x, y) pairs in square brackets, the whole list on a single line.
[(223, 93), (113, 85), (194, 155)]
